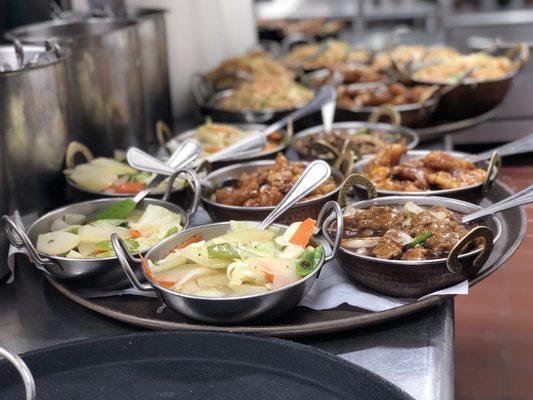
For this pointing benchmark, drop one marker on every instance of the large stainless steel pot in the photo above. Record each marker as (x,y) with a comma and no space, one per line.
(34,128)
(154,61)
(105,78)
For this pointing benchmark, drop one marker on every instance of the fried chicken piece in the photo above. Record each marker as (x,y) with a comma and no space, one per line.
(375,218)
(442,161)
(417,253)
(387,157)
(442,180)
(410,174)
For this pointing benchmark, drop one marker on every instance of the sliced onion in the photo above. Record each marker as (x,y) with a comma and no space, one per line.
(360,243)
(412,207)
(440,215)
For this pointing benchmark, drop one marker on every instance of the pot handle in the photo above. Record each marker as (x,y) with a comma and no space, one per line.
(518,55)
(319,148)
(23,370)
(74,148)
(356,179)
(197,188)
(125,258)
(18,238)
(163,133)
(332,205)
(452,261)
(344,162)
(493,170)
(386,111)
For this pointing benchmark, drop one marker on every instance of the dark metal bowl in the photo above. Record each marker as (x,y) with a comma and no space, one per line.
(206,99)
(412,115)
(410,135)
(93,272)
(227,310)
(221,212)
(472,193)
(418,278)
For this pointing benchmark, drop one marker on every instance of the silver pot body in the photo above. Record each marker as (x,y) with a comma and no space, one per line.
(227,310)
(105,78)
(34,131)
(154,63)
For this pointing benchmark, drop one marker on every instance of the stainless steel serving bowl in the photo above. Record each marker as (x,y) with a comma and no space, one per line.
(418,278)
(472,193)
(410,135)
(221,212)
(206,99)
(81,193)
(94,272)
(169,142)
(227,310)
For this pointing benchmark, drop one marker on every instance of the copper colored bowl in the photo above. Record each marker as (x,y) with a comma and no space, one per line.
(299,212)
(417,278)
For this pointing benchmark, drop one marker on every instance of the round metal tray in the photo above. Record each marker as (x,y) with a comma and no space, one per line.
(193,365)
(437,128)
(301,321)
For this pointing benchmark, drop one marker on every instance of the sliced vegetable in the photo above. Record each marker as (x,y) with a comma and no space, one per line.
(304,233)
(222,250)
(420,239)
(130,187)
(119,210)
(309,261)
(58,242)
(191,240)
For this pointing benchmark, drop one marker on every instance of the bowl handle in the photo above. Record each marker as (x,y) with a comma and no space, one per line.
(332,205)
(163,133)
(18,238)
(493,170)
(23,370)
(320,147)
(125,258)
(196,187)
(452,261)
(355,179)
(385,111)
(75,148)
(344,163)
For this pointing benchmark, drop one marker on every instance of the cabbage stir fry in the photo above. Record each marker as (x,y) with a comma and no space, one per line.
(77,236)
(243,262)
(108,175)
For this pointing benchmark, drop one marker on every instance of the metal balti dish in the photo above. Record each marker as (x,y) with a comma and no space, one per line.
(75,148)
(206,99)
(411,115)
(418,278)
(165,137)
(95,272)
(473,98)
(473,193)
(319,77)
(227,310)
(410,136)
(298,212)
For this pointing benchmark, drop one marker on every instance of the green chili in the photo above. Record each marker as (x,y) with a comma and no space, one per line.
(309,261)
(420,239)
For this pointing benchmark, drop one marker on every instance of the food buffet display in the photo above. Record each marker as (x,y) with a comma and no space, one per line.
(407,243)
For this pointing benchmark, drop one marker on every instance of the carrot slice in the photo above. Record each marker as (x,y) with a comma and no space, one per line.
(135,233)
(303,234)
(276,136)
(151,276)
(191,240)
(130,187)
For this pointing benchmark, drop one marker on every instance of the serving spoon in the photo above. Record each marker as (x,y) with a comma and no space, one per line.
(523,145)
(187,152)
(523,197)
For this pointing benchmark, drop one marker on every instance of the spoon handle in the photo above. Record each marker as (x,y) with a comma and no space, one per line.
(519,146)
(313,176)
(138,159)
(325,95)
(328,115)
(250,144)
(523,197)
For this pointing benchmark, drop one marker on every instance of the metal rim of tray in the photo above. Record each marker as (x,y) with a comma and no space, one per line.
(335,323)
(438,130)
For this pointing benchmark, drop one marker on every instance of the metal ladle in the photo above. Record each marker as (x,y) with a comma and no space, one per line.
(519,146)
(523,197)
